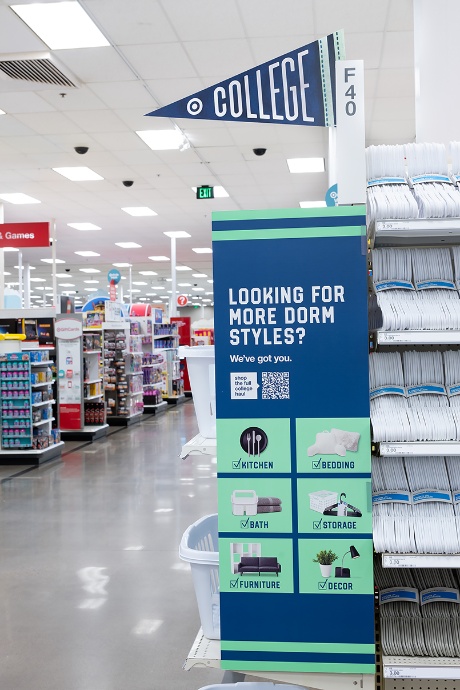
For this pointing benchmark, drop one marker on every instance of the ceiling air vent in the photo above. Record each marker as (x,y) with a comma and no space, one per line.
(36,68)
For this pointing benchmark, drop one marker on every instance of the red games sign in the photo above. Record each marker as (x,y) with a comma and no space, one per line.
(21,235)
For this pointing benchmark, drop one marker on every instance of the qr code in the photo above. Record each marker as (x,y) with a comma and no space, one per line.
(275,385)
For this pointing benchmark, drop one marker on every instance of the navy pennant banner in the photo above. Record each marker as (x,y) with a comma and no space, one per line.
(297,88)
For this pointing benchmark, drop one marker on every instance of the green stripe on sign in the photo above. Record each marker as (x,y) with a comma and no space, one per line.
(289,233)
(331,212)
(339,648)
(306,667)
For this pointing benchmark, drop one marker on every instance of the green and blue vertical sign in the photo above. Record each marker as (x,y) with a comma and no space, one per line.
(293,440)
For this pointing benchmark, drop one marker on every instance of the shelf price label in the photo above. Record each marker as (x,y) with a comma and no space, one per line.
(399,672)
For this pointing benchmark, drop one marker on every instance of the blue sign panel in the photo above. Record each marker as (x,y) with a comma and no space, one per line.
(293,440)
(297,88)
(115,275)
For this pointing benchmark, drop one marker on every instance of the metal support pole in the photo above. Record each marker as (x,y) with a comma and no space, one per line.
(26,286)
(21,277)
(53,255)
(173,301)
(2,266)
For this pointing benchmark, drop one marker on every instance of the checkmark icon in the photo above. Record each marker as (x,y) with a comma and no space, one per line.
(236,464)
(316,464)
(322,585)
(317,524)
(245,524)
(233,584)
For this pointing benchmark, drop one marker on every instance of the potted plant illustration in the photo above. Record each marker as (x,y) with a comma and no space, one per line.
(325,560)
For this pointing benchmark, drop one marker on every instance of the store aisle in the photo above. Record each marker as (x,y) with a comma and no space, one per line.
(93,594)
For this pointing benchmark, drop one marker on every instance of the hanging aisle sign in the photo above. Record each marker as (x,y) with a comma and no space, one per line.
(293,440)
(297,88)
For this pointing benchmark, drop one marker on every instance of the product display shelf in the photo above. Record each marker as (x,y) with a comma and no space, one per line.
(154,379)
(199,445)
(123,392)
(407,667)
(415,232)
(206,653)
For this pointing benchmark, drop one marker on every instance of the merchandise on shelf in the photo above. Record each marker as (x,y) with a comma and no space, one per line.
(123,373)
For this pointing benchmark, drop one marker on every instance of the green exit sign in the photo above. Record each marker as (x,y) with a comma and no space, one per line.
(205,192)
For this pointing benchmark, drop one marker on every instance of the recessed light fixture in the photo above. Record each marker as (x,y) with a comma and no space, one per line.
(139,211)
(305,165)
(163,139)
(32,268)
(199,275)
(91,289)
(202,250)
(87,252)
(139,282)
(67,284)
(198,289)
(133,290)
(142,299)
(169,280)
(50,261)
(184,284)
(95,282)
(210,281)
(2,112)
(69,292)
(312,204)
(164,296)
(177,234)
(10,249)
(183,268)
(60,275)
(84,226)
(207,300)
(61,25)
(76,173)
(208,293)
(151,294)
(128,245)
(89,270)
(148,273)
(122,265)
(41,287)
(36,280)
(19,198)
(159,258)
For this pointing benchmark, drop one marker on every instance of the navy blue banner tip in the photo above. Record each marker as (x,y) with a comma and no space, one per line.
(297,88)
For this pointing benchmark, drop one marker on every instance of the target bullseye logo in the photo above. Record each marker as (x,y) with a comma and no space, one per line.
(194,106)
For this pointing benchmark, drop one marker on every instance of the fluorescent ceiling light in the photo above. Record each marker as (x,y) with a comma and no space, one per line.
(61,25)
(87,253)
(128,245)
(2,112)
(139,282)
(91,281)
(34,280)
(78,173)
(184,284)
(10,249)
(133,290)
(139,211)
(199,275)
(164,296)
(41,287)
(210,281)
(169,280)
(163,139)
(305,165)
(198,289)
(69,292)
(89,270)
(91,289)
(151,294)
(67,284)
(207,300)
(50,261)
(84,226)
(32,268)
(19,198)
(177,234)
(143,299)
(312,204)
(122,265)
(60,275)
(148,273)
(208,293)
(7,273)
(202,250)
(219,192)
(159,258)
(183,268)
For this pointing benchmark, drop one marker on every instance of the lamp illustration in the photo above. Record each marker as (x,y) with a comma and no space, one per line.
(345,572)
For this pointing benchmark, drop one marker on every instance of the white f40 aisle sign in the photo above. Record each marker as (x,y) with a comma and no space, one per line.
(351,158)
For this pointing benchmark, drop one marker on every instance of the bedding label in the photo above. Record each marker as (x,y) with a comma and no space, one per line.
(293,439)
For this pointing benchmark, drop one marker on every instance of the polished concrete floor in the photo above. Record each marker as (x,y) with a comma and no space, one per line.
(93,594)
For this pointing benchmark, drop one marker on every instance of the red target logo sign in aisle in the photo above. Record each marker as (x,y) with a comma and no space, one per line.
(182,300)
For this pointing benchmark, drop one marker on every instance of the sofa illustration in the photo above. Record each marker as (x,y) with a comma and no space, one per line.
(261,564)
(246,502)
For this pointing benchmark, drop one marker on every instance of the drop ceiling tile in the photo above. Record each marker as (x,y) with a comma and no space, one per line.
(195,21)
(119,141)
(75,99)
(398,49)
(49,123)
(394,109)
(143,157)
(170,90)
(11,126)
(233,182)
(371,78)
(97,64)
(15,35)
(212,136)
(165,60)
(140,22)
(265,49)
(122,94)
(274,18)
(164,182)
(33,144)
(136,120)
(396,83)
(401,15)
(177,157)
(384,132)
(97,120)
(214,58)
(24,102)
(364,16)
(365,46)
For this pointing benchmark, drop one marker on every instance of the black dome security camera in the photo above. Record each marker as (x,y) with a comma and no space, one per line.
(81,149)
(67,270)
(260,152)
(128,183)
